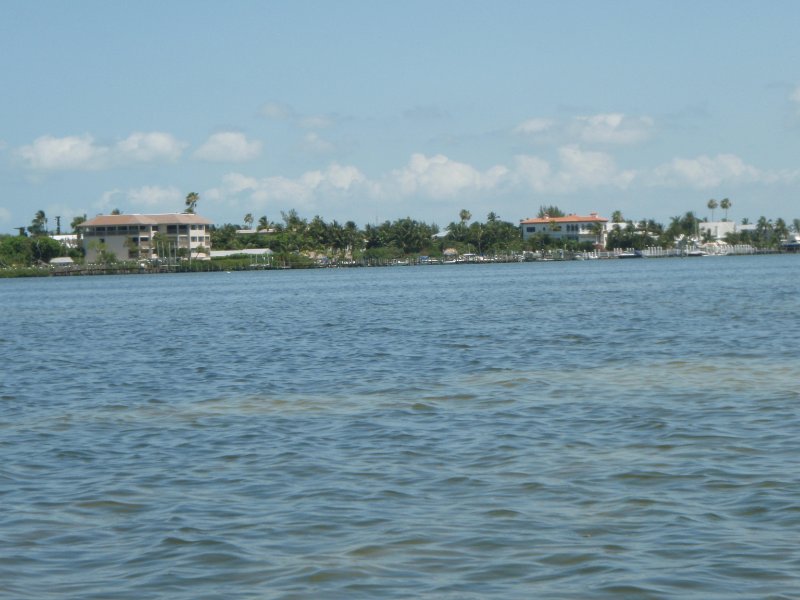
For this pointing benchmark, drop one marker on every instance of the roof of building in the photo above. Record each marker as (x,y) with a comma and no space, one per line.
(592,218)
(159,219)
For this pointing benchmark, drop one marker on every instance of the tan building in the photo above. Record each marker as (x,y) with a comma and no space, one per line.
(572,227)
(144,237)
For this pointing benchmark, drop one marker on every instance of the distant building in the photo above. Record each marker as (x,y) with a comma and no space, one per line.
(137,237)
(719,229)
(70,240)
(571,227)
(255,231)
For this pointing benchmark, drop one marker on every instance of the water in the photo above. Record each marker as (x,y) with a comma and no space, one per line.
(597,429)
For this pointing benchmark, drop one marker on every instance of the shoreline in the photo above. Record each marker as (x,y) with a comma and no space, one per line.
(249,265)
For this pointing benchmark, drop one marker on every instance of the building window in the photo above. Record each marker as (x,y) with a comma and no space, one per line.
(530,229)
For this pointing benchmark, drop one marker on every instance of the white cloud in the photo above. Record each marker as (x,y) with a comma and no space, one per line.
(66,153)
(303,190)
(237,183)
(280,111)
(705,172)
(440,177)
(109,200)
(344,177)
(611,128)
(169,199)
(534,126)
(582,169)
(149,147)
(276,110)
(82,153)
(228,146)
(533,172)
(312,142)
(577,169)
(166,199)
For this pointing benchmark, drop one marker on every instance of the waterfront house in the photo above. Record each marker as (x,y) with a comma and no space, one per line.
(146,237)
(717,230)
(590,229)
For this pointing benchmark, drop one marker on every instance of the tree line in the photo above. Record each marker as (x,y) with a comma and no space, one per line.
(380,241)
(294,235)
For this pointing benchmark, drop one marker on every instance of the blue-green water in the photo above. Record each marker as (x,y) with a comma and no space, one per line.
(597,429)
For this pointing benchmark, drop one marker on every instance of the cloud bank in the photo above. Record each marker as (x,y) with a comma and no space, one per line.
(83,153)
(228,146)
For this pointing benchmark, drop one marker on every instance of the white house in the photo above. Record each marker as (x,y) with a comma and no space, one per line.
(571,227)
(135,237)
(719,229)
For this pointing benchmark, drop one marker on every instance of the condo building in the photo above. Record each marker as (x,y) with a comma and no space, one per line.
(145,237)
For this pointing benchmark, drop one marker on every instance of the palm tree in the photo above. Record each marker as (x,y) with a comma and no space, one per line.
(191,201)
(248,220)
(38,225)
(597,228)
(712,206)
(725,205)
(781,229)
(77,221)
(464,215)
(616,216)
(263,222)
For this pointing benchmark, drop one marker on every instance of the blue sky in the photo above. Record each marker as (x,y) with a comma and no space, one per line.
(372,110)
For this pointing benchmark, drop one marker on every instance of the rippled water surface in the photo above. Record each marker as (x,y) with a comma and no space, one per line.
(597,429)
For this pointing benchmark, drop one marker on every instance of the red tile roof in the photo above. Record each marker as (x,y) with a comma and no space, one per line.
(163,219)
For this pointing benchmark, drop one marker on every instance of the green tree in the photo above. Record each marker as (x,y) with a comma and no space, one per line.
(77,221)
(616,217)
(725,205)
(104,255)
(263,222)
(409,235)
(546,212)
(248,221)
(191,201)
(38,225)
(764,231)
(597,228)
(16,251)
(464,215)
(712,206)
(781,229)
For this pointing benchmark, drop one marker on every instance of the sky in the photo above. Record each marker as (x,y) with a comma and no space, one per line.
(369,110)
